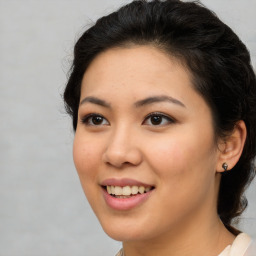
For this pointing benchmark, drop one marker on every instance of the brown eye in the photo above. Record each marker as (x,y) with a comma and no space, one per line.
(94,120)
(158,119)
(97,120)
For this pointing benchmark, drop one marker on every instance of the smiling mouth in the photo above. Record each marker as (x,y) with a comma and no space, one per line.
(126,191)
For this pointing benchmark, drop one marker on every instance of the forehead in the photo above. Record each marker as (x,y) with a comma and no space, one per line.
(140,67)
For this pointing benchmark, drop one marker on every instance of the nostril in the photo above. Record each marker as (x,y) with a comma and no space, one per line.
(119,154)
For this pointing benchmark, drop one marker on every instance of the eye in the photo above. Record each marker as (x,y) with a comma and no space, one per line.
(94,120)
(158,119)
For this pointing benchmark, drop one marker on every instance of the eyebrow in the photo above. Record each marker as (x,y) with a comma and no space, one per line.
(96,101)
(161,98)
(140,103)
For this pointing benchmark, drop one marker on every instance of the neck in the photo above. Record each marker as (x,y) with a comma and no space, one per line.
(203,239)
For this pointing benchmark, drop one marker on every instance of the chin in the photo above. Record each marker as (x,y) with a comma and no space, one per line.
(130,232)
(122,235)
(124,232)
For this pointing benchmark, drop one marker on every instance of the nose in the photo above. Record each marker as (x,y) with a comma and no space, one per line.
(122,150)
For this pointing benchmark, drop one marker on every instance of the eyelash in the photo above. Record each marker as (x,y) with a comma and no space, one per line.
(168,119)
(87,120)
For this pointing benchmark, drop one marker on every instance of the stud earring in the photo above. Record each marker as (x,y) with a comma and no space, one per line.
(225,166)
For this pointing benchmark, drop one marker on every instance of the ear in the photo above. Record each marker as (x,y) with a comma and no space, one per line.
(231,147)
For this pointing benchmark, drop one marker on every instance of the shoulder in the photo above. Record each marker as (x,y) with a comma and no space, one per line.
(240,247)
(251,251)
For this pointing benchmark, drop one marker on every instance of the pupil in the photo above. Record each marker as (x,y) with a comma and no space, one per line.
(156,120)
(97,120)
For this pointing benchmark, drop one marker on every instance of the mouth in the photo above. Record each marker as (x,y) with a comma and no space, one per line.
(126,194)
(126,191)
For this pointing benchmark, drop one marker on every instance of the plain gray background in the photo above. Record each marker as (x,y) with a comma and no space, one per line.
(43,211)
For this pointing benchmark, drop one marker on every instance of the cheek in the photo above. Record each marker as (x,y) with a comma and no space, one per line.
(185,181)
(183,157)
(86,156)
(168,157)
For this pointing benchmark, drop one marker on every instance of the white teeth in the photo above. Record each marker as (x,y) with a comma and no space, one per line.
(147,189)
(141,189)
(135,190)
(118,191)
(127,190)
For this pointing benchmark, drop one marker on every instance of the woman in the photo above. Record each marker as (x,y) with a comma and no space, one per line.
(163,101)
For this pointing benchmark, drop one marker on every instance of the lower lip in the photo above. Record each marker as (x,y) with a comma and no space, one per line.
(124,204)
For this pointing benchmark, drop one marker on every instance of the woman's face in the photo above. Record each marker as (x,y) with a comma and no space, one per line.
(144,147)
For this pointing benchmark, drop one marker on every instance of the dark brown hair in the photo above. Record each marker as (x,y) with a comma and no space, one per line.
(218,61)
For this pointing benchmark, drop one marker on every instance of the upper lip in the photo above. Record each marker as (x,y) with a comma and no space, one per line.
(123,182)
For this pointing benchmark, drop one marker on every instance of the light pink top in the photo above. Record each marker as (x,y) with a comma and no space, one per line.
(242,246)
